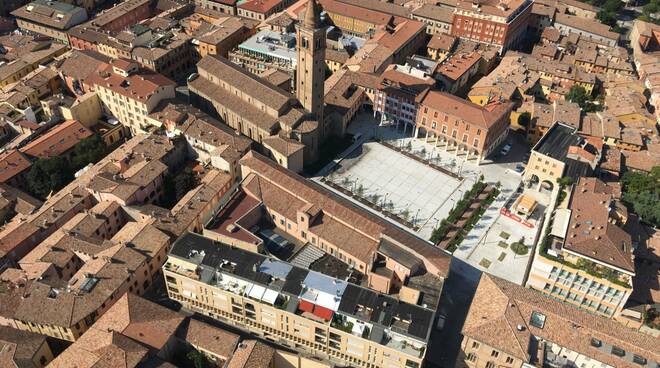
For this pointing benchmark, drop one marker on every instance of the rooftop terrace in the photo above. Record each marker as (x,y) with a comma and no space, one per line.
(345,306)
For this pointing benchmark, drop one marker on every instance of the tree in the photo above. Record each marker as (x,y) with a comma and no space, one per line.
(48,175)
(198,360)
(641,192)
(184,182)
(565,181)
(650,8)
(607,17)
(89,150)
(524,119)
(578,95)
(613,5)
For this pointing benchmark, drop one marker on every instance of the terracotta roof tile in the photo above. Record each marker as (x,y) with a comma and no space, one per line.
(57,140)
(499,307)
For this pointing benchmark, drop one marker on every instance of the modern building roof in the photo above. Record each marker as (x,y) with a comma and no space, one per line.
(556,141)
(279,46)
(521,322)
(258,277)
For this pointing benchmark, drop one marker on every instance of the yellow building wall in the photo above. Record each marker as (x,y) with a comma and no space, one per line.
(87,110)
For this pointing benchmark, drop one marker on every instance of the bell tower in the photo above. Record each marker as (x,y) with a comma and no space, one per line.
(310,70)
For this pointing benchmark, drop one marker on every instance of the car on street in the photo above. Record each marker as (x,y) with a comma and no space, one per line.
(505,150)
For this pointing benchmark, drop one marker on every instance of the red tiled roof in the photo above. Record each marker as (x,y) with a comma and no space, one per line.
(483,116)
(12,163)
(260,6)
(57,140)
(352,11)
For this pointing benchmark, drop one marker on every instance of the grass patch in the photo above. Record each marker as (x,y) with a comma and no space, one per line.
(484,263)
(501,257)
(504,235)
(502,244)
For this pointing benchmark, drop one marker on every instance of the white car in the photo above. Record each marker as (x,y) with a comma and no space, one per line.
(505,150)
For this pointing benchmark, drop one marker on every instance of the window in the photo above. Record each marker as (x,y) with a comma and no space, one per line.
(471,357)
(509,360)
(618,351)
(537,319)
(494,353)
(475,345)
(490,365)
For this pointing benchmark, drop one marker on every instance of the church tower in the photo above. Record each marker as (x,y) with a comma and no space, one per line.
(310,70)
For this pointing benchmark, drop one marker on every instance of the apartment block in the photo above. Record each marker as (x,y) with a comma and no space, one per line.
(130,94)
(587,257)
(24,349)
(511,326)
(222,38)
(123,15)
(261,9)
(438,19)
(298,308)
(399,88)
(561,152)
(353,19)
(49,18)
(222,6)
(502,24)
(590,29)
(462,126)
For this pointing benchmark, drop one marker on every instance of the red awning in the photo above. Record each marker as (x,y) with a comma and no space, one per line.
(305,306)
(324,313)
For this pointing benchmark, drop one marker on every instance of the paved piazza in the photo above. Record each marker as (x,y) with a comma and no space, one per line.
(424,192)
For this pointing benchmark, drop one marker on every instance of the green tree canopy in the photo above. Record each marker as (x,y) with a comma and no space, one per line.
(89,150)
(524,119)
(641,192)
(48,175)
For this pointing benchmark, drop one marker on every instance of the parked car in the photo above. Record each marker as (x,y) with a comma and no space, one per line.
(519,168)
(505,150)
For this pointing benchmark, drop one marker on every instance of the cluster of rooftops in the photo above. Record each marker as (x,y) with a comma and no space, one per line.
(301,291)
